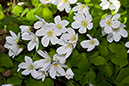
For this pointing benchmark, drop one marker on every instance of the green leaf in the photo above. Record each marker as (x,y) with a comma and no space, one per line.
(103,50)
(30,15)
(1,15)
(99,60)
(5,61)
(17,10)
(104,83)
(126,80)
(87,1)
(77,75)
(13,26)
(35,2)
(123,74)
(14,80)
(83,64)
(49,82)
(115,47)
(24,12)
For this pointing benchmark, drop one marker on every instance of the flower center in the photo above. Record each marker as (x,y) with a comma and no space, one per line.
(92,42)
(34,38)
(73,38)
(84,23)
(46,0)
(43,73)
(49,33)
(48,60)
(31,67)
(82,6)
(17,40)
(109,22)
(69,45)
(18,46)
(59,26)
(56,65)
(116,29)
(65,1)
(117,2)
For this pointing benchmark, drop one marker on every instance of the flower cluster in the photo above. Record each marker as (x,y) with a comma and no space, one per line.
(113,27)
(58,33)
(111,4)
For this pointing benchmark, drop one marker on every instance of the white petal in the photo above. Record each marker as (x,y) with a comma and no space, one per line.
(11,52)
(31,45)
(61,71)
(91,47)
(54,40)
(96,42)
(71,31)
(108,17)
(67,8)
(38,24)
(116,24)
(60,6)
(40,32)
(34,73)
(26,37)
(64,22)
(115,17)
(23,65)
(123,32)
(112,7)
(28,60)
(90,26)
(83,30)
(57,19)
(76,8)
(62,50)
(26,72)
(85,43)
(116,37)
(107,29)
(127,44)
(110,38)
(72,1)
(76,24)
(52,72)
(102,22)
(45,41)
(13,34)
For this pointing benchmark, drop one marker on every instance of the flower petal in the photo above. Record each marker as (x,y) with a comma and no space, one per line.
(127,44)
(64,22)
(57,19)
(31,45)
(123,32)
(61,71)
(116,24)
(34,73)
(102,22)
(107,29)
(91,47)
(90,26)
(45,41)
(52,72)
(23,65)
(26,72)
(76,24)
(85,43)
(38,24)
(116,37)
(28,60)
(83,30)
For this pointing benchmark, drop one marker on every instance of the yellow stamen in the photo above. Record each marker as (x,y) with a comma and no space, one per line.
(31,67)
(69,45)
(17,40)
(92,42)
(49,33)
(82,6)
(59,26)
(65,1)
(117,2)
(43,73)
(34,39)
(116,29)
(56,65)
(73,38)
(48,60)
(109,22)
(84,23)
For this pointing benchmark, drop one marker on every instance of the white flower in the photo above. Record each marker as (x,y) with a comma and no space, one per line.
(90,44)
(34,40)
(117,33)
(91,85)
(105,4)
(70,36)
(20,3)
(7,85)
(44,63)
(81,8)
(60,58)
(56,70)
(127,45)
(29,66)
(115,6)
(60,25)
(49,34)
(42,75)
(45,1)
(66,47)
(109,23)
(83,22)
(69,74)
(11,44)
(64,4)
(25,28)
(39,24)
